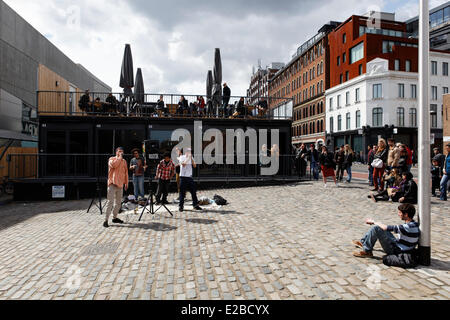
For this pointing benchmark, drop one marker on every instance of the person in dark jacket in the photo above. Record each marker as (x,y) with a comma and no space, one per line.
(183,106)
(226,97)
(382,154)
(313,157)
(445,176)
(85,103)
(301,158)
(370,157)
(440,159)
(339,158)
(326,160)
(408,190)
(435,177)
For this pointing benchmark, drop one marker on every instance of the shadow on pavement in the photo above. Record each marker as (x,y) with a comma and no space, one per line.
(156,226)
(201,221)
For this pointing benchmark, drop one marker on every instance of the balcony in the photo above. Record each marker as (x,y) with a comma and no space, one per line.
(104,104)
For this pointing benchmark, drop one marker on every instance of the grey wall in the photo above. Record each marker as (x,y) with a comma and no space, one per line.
(22,48)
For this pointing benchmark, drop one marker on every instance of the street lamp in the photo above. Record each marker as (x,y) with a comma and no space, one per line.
(424,136)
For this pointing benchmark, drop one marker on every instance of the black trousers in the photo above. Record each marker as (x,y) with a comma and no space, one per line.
(188,184)
(340,172)
(163,190)
(435,184)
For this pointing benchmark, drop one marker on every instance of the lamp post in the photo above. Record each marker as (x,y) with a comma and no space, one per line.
(424,136)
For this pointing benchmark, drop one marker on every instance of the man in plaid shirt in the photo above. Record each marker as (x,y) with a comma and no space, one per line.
(164,173)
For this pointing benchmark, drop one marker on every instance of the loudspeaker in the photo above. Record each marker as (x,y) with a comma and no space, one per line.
(152,150)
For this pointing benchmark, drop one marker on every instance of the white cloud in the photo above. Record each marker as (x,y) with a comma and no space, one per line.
(175,48)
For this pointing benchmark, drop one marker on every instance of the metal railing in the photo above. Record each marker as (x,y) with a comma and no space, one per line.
(117,104)
(88,166)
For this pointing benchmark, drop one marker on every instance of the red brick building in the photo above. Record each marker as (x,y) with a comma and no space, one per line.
(361,39)
(304,80)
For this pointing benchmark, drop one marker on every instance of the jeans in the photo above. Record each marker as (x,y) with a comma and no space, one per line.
(443,188)
(340,172)
(387,240)
(371,176)
(138,184)
(315,170)
(188,184)
(349,173)
(378,178)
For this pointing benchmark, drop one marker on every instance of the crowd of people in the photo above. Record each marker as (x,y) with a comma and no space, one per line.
(389,165)
(184,108)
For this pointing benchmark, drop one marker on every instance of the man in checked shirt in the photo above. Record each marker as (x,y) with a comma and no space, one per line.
(164,173)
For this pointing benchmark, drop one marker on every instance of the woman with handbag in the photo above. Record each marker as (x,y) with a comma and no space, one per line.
(379,164)
(328,166)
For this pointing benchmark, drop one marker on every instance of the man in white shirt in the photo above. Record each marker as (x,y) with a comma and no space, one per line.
(187,183)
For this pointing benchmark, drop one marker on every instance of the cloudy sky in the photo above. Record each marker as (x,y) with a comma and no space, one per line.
(173,41)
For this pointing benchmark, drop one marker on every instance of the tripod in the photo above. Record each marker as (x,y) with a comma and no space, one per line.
(151,203)
(98,196)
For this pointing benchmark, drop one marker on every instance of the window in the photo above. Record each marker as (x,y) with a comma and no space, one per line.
(413,91)
(360,69)
(433,93)
(344,57)
(339,101)
(347,76)
(331,124)
(347,121)
(397,65)
(331,104)
(433,68)
(377,117)
(341,78)
(444,90)
(433,112)
(347,98)
(413,117)
(358,119)
(357,95)
(344,38)
(400,117)
(357,53)
(339,60)
(401,90)
(377,91)
(408,66)
(445,68)
(339,122)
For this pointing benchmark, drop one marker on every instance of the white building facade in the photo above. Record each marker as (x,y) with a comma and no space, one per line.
(384,103)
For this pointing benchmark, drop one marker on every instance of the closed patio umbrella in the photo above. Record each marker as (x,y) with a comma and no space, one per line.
(127,75)
(209,87)
(139,92)
(217,81)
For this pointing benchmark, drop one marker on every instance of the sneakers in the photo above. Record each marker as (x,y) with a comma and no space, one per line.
(357,243)
(165,202)
(362,254)
(198,208)
(180,209)
(117,220)
(325,185)
(105,224)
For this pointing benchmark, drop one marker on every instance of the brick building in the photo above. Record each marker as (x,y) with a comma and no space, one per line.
(259,82)
(304,79)
(374,83)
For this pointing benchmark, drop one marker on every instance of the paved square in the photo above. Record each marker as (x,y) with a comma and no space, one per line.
(277,242)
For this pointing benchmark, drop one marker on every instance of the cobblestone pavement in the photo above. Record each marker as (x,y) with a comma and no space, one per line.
(278,242)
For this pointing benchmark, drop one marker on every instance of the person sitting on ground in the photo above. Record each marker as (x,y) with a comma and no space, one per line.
(436,176)
(407,192)
(408,235)
(393,180)
(328,165)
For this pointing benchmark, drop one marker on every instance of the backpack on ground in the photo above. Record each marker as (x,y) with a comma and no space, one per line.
(404,260)
(219,200)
